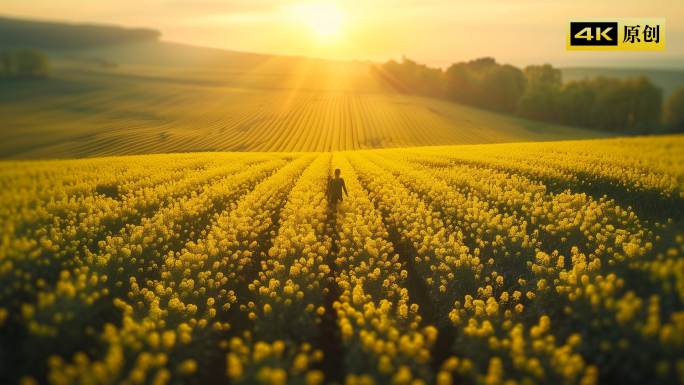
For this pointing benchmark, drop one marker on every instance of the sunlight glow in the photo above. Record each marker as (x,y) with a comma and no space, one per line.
(325,20)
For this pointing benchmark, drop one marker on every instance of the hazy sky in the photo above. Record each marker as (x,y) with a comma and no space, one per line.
(437,32)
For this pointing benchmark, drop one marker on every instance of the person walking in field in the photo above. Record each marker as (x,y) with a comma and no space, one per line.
(335,187)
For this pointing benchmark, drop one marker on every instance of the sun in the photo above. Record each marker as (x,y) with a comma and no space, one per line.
(325,20)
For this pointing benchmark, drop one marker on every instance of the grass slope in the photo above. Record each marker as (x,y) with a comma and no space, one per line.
(196,99)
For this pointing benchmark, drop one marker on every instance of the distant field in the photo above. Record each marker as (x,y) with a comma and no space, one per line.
(252,103)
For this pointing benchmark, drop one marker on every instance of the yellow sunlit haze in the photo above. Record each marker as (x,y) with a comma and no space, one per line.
(435,32)
(325,20)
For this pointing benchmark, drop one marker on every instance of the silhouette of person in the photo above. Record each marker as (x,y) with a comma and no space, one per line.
(335,187)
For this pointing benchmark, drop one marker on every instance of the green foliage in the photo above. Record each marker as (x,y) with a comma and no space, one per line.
(610,104)
(24,63)
(484,83)
(506,84)
(543,74)
(630,105)
(668,80)
(481,82)
(573,104)
(410,77)
(539,102)
(673,116)
(460,83)
(481,64)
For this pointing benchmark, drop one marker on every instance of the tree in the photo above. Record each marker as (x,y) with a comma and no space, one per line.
(460,84)
(543,74)
(484,83)
(646,105)
(411,77)
(610,109)
(539,102)
(632,105)
(573,103)
(504,85)
(481,64)
(6,64)
(24,63)
(629,105)
(673,116)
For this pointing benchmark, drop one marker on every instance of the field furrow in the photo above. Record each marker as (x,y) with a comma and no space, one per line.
(290,289)
(653,183)
(380,326)
(499,264)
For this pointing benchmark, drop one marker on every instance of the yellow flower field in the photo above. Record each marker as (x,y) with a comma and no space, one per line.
(558,262)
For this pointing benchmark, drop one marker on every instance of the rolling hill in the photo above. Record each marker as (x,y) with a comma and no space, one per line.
(62,36)
(127,93)
(85,111)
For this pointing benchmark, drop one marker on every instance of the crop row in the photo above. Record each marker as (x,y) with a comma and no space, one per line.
(438,269)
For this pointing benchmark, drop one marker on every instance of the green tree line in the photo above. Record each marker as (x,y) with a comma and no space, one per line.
(23,63)
(632,105)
